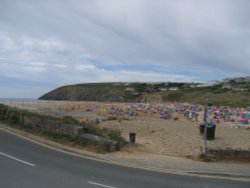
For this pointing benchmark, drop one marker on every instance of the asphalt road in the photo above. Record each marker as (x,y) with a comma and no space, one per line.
(24,164)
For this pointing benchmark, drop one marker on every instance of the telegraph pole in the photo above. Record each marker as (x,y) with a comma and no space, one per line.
(205,131)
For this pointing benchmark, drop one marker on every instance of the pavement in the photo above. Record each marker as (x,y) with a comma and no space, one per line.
(148,161)
(187,166)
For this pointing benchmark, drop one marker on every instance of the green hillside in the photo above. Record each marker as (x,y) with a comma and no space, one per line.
(232,92)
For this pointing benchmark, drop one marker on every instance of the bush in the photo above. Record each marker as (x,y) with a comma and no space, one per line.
(13,116)
(3,111)
(106,133)
(113,118)
(173,96)
(114,135)
(69,120)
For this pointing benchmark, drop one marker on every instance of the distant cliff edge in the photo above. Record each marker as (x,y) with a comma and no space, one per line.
(232,92)
(103,92)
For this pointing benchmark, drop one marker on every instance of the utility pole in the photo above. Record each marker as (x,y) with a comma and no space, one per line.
(205,131)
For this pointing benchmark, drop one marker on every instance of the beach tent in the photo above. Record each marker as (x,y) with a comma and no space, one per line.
(247,116)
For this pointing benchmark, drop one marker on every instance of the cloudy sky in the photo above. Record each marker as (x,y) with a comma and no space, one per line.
(50,43)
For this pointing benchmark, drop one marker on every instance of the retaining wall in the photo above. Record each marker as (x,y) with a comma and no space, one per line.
(52,125)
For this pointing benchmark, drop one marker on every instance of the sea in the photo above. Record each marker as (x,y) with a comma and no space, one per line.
(19,100)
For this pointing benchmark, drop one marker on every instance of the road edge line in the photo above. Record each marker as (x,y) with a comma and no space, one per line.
(68,151)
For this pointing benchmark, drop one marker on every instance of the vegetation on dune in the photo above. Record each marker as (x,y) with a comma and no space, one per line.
(215,94)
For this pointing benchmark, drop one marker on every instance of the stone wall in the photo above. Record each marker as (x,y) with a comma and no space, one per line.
(53,125)
(50,125)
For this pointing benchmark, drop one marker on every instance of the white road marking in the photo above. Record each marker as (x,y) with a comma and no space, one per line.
(90,182)
(16,159)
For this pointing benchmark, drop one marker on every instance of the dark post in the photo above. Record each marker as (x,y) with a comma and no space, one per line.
(132,137)
(205,131)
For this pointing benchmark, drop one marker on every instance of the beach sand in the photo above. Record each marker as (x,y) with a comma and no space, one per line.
(179,138)
(153,135)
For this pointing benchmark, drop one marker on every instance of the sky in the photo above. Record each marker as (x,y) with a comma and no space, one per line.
(50,43)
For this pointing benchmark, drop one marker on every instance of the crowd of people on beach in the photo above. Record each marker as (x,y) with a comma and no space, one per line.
(227,114)
(175,111)
(164,111)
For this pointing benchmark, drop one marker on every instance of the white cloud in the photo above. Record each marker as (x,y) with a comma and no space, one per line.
(114,40)
(50,44)
(132,76)
(27,42)
(94,74)
(60,66)
(37,64)
(83,67)
(47,44)
(25,55)
(35,69)
(6,43)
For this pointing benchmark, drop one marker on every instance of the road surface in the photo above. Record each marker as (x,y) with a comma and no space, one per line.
(24,164)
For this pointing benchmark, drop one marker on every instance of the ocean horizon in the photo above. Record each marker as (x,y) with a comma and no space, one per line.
(15,100)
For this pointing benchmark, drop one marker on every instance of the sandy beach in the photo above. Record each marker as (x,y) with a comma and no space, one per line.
(155,135)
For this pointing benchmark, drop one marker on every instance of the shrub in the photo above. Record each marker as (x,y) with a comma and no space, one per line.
(3,111)
(173,96)
(113,118)
(106,132)
(69,120)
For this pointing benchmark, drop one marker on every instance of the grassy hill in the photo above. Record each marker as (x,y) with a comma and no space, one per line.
(231,92)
